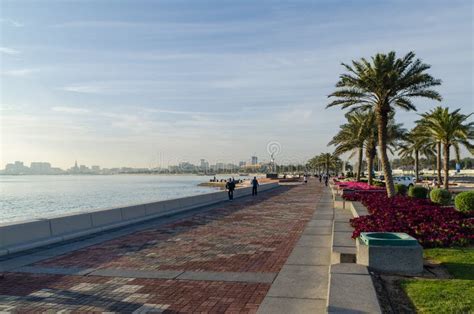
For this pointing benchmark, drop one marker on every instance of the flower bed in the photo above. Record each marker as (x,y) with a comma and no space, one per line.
(360,186)
(432,225)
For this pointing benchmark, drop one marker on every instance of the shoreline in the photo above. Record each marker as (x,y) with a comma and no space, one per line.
(27,234)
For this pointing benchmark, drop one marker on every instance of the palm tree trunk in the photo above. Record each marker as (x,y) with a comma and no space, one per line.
(382,121)
(370,165)
(438,161)
(371,153)
(359,166)
(417,164)
(446,166)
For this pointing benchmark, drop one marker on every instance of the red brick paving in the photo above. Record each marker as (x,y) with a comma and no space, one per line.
(53,293)
(251,236)
(255,235)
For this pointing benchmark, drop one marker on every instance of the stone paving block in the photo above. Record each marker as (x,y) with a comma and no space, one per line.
(351,269)
(53,270)
(228,276)
(342,238)
(343,298)
(319,223)
(295,281)
(323,216)
(272,305)
(309,256)
(344,217)
(315,241)
(324,208)
(17,262)
(134,273)
(342,226)
(317,231)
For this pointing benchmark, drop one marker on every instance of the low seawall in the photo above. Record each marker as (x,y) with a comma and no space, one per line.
(24,235)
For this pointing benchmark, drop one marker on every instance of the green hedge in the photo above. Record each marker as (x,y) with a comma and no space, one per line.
(417,192)
(440,196)
(464,201)
(401,189)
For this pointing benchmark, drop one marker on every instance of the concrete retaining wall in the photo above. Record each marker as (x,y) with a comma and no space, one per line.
(24,235)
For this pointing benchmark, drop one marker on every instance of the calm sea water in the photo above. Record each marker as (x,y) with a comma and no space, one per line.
(28,197)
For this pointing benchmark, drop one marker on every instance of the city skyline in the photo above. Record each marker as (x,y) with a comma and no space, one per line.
(139,82)
(44,167)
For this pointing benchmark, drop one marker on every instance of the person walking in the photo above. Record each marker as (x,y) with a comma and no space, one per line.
(305,179)
(320,177)
(255,185)
(326,180)
(230,186)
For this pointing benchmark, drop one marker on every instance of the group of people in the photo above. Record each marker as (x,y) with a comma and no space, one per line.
(322,177)
(230,187)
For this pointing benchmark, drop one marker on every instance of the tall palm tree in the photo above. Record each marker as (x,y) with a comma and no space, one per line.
(395,132)
(351,137)
(326,161)
(416,144)
(450,129)
(383,84)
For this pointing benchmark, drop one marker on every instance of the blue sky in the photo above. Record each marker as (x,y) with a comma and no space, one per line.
(146,83)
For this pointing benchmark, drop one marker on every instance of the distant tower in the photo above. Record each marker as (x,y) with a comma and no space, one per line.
(75,165)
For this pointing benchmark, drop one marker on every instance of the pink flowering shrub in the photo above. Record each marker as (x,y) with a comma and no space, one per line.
(432,225)
(357,186)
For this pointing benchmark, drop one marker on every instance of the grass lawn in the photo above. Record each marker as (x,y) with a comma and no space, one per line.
(447,295)
(458,261)
(441,296)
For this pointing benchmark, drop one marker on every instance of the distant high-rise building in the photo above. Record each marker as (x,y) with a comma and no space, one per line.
(95,168)
(83,169)
(254,160)
(204,165)
(40,168)
(17,168)
(242,163)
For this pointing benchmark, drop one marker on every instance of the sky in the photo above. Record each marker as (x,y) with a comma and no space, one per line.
(154,83)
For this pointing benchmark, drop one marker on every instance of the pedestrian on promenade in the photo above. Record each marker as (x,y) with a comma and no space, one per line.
(326,180)
(320,178)
(230,186)
(305,179)
(255,185)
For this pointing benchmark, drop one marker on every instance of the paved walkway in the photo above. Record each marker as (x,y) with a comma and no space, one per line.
(228,258)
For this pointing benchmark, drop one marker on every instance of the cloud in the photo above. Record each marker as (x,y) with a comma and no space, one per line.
(86,89)
(9,51)
(190,113)
(72,110)
(11,22)
(19,72)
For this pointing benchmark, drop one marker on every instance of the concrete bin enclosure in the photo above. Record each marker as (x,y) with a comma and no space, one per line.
(20,236)
(390,252)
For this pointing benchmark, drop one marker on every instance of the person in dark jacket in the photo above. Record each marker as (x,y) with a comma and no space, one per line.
(255,185)
(230,186)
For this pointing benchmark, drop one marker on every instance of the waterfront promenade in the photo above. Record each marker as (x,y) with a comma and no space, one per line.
(269,254)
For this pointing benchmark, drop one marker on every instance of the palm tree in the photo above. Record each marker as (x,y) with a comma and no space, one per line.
(325,161)
(416,143)
(383,84)
(450,129)
(351,138)
(395,133)
(330,162)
